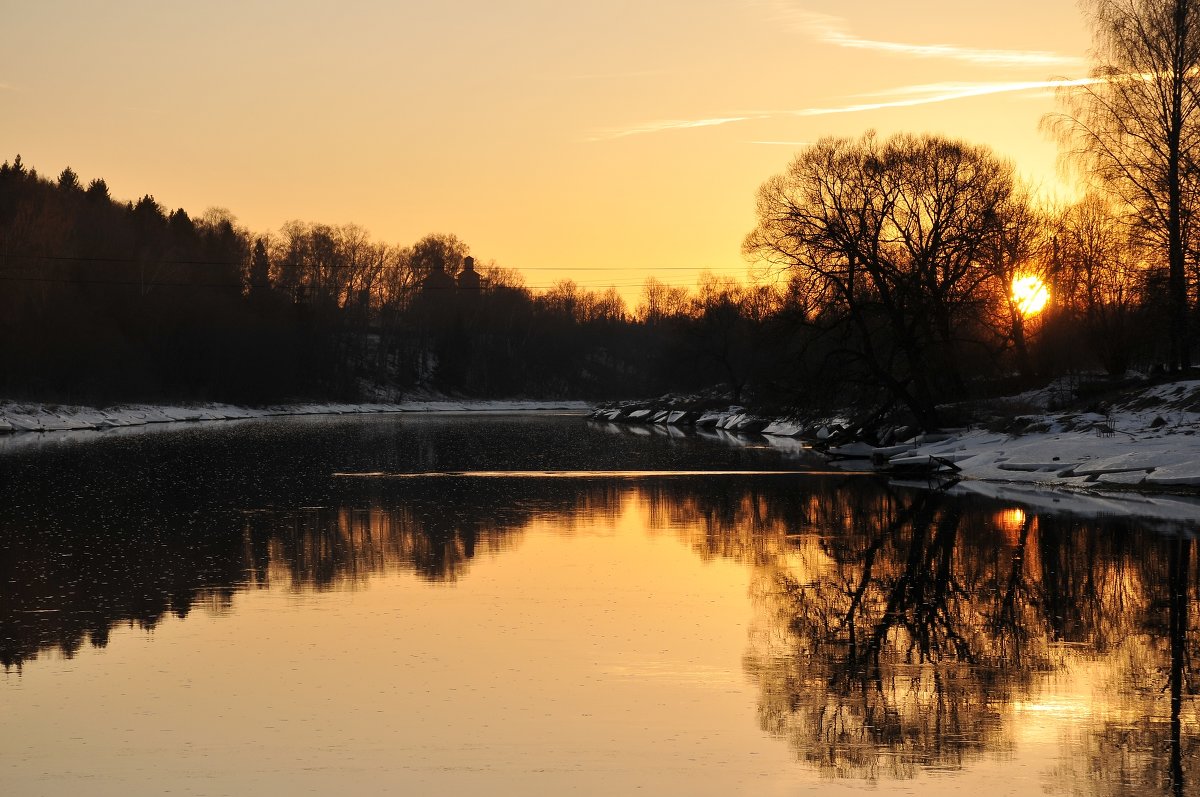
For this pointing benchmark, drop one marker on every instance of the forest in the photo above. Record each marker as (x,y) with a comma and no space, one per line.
(106,301)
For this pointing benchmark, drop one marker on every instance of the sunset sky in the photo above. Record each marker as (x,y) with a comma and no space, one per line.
(598,141)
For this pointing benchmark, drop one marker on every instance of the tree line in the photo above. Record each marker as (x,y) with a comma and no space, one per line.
(105,301)
(885,271)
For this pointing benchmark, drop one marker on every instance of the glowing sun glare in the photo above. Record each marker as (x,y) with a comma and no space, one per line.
(1030,294)
(1011,520)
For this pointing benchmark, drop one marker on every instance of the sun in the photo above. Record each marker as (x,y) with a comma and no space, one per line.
(1030,294)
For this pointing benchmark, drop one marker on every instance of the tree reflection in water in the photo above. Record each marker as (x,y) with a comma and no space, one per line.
(902,631)
(76,570)
(896,630)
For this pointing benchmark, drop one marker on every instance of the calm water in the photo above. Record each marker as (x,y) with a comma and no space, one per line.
(283,607)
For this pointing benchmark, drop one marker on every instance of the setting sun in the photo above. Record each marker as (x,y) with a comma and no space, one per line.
(1030,294)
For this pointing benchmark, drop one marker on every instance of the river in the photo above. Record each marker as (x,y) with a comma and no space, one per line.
(538,604)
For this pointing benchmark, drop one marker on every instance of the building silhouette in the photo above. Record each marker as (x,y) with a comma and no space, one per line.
(468,278)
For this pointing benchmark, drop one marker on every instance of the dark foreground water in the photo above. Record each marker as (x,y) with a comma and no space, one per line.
(521,605)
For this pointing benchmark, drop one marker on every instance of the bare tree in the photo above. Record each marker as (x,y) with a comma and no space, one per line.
(890,238)
(610,306)
(1019,248)
(661,301)
(567,299)
(726,328)
(1102,279)
(1135,127)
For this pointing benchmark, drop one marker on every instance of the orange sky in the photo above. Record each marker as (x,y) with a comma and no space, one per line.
(599,141)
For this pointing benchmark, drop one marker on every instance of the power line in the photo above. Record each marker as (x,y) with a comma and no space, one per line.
(241,285)
(593,285)
(243,263)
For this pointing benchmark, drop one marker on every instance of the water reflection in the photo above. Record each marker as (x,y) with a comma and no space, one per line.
(903,632)
(62,583)
(897,631)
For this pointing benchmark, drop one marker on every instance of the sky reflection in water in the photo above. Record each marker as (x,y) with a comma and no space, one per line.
(210,611)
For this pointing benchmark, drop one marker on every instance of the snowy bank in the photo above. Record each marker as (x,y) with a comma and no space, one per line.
(68,423)
(1146,439)
(1142,459)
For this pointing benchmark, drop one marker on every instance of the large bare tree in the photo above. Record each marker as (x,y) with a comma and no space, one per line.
(1136,126)
(891,238)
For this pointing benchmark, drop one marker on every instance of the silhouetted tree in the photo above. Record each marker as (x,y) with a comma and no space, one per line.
(1135,128)
(890,236)
(97,190)
(68,181)
(1102,281)
(1019,247)
(260,270)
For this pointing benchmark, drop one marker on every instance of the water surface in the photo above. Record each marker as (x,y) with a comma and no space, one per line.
(537,604)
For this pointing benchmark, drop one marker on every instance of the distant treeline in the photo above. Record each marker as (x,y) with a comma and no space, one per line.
(903,303)
(103,301)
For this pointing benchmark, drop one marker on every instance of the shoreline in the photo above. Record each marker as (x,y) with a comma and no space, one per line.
(1175,509)
(21,417)
(28,424)
(1145,442)
(1133,453)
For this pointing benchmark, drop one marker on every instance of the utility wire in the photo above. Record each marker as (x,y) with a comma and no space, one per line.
(244,263)
(239,285)
(585,284)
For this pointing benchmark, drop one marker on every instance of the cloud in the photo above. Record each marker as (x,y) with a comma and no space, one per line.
(673,124)
(898,97)
(929,93)
(833,30)
(904,97)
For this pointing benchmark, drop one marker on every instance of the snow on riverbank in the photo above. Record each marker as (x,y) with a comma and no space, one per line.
(1143,440)
(1143,458)
(1147,440)
(1172,511)
(69,423)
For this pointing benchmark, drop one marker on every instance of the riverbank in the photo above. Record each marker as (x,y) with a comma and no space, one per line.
(1144,437)
(23,417)
(25,424)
